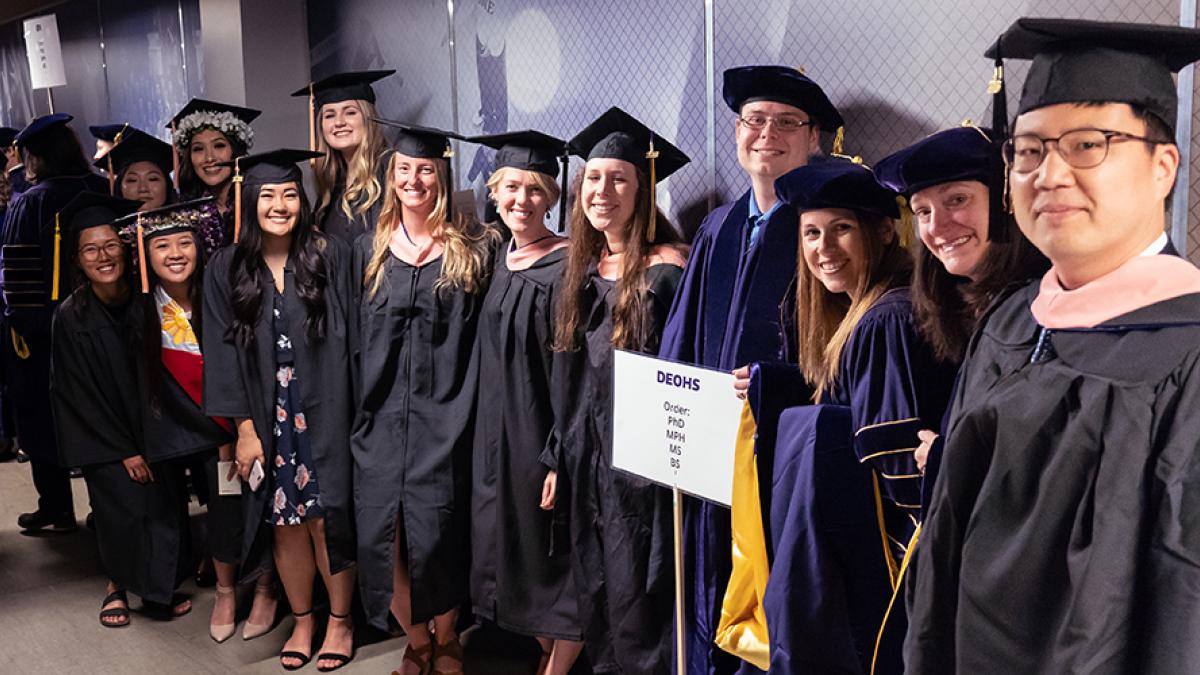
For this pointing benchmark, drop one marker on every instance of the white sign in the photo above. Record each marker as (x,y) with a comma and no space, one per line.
(675,424)
(44,52)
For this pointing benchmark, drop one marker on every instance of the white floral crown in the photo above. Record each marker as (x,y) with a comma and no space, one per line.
(224,122)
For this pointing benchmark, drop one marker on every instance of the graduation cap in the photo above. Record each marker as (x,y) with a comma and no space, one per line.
(781,84)
(421,142)
(142,226)
(136,145)
(836,184)
(265,168)
(199,105)
(85,210)
(31,136)
(532,151)
(1077,61)
(618,135)
(108,132)
(350,86)
(962,153)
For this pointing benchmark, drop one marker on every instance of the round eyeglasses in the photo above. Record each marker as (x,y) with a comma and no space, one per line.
(91,252)
(783,123)
(1079,148)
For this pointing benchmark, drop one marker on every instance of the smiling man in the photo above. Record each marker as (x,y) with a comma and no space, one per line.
(733,307)
(1063,535)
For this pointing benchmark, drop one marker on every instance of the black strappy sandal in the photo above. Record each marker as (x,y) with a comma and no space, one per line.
(121,613)
(290,654)
(342,659)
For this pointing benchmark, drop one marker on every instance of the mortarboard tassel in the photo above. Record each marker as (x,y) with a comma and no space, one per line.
(174,159)
(448,154)
(57,256)
(237,199)
(20,347)
(652,155)
(112,178)
(998,209)
(906,222)
(142,261)
(312,125)
(839,140)
(565,159)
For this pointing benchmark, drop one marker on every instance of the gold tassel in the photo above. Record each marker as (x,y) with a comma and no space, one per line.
(142,261)
(906,222)
(174,159)
(237,199)
(112,180)
(997,81)
(904,564)
(20,347)
(57,255)
(893,570)
(839,139)
(651,228)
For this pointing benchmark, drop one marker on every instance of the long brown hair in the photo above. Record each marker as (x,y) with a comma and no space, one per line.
(948,307)
(467,259)
(362,188)
(827,320)
(630,328)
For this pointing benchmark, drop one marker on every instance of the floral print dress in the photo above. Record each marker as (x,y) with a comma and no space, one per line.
(297,497)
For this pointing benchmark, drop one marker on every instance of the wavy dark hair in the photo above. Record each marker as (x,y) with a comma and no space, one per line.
(190,185)
(630,329)
(248,273)
(947,308)
(57,153)
(145,339)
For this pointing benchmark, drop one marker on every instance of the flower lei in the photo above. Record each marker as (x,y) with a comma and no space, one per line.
(224,122)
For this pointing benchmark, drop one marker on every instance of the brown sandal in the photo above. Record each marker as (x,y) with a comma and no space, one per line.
(422,658)
(452,650)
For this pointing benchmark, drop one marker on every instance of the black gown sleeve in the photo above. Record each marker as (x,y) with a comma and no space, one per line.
(224,393)
(90,388)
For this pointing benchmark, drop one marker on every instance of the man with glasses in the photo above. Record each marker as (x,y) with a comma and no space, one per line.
(1064,530)
(733,307)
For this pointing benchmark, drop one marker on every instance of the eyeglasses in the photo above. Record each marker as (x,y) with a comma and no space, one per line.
(1079,148)
(91,252)
(784,123)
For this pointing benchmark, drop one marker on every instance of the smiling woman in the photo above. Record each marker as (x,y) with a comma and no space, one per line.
(206,134)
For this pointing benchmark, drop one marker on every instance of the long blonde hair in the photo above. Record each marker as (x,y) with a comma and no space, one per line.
(466,262)
(362,188)
(630,328)
(827,320)
(547,184)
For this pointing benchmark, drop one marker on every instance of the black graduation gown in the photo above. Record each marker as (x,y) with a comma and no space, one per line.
(180,436)
(620,525)
(95,402)
(515,580)
(1062,535)
(413,437)
(30,222)
(332,220)
(733,309)
(240,383)
(174,425)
